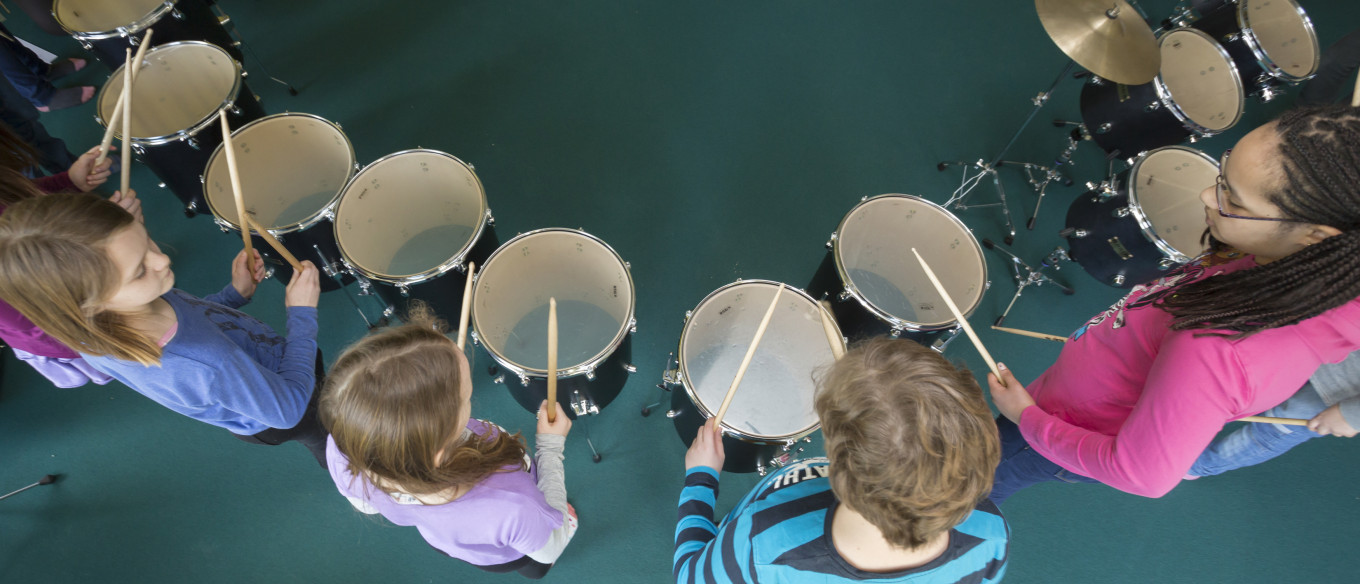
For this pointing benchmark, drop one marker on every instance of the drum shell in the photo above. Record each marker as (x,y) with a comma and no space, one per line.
(1137,119)
(741,454)
(1221,24)
(195,22)
(1096,253)
(607,382)
(442,293)
(315,244)
(856,321)
(180,163)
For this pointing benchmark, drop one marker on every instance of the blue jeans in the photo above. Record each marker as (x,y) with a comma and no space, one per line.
(1021,466)
(1254,443)
(25,71)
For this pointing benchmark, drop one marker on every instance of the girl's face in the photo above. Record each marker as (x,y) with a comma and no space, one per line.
(143,271)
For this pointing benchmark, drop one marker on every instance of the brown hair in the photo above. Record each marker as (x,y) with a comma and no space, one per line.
(391,402)
(55,271)
(912,443)
(16,156)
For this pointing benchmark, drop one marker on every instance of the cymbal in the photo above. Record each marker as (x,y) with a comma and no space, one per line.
(1107,37)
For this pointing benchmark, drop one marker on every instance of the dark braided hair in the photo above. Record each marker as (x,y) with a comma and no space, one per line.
(1320,157)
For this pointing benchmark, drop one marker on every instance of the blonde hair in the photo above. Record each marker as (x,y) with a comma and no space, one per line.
(55,270)
(912,443)
(391,403)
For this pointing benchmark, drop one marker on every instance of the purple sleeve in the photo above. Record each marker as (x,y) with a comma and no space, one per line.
(21,333)
(57,183)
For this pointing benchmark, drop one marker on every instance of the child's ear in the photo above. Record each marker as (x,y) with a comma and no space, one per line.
(1317,233)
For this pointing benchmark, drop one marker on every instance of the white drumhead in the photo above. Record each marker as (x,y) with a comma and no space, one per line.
(1284,34)
(594,295)
(873,252)
(179,86)
(410,213)
(775,396)
(101,15)
(1201,79)
(1165,185)
(291,166)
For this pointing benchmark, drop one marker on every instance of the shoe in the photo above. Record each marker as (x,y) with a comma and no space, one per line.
(63,68)
(68,97)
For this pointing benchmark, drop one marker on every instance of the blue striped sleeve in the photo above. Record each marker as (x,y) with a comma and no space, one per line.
(695,528)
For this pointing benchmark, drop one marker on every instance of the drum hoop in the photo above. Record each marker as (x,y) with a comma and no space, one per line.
(185,134)
(1164,93)
(327,211)
(127,30)
(898,324)
(1136,209)
(585,367)
(1254,43)
(684,370)
(456,261)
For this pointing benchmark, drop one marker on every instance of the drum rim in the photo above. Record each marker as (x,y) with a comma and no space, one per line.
(185,134)
(1164,93)
(900,325)
(1254,43)
(327,211)
(128,30)
(683,370)
(587,367)
(456,261)
(1136,210)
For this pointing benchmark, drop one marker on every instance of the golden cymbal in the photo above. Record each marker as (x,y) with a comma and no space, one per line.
(1107,37)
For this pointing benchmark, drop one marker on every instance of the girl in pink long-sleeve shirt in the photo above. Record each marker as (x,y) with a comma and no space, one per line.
(1140,390)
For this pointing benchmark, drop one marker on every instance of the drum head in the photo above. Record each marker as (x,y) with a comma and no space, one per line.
(410,215)
(179,86)
(1284,34)
(1201,79)
(80,16)
(775,397)
(873,254)
(594,293)
(292,168)
(1164,190)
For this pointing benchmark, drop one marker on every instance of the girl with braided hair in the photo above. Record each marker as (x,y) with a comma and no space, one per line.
(1140,390)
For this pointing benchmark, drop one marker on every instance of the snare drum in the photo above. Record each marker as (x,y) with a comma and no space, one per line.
(595,303)
(108,27)
(1150,220)
(292,167)
(873,281)
(179,90)
(772,409)
(1271,42)
(410,222)
(1197,94)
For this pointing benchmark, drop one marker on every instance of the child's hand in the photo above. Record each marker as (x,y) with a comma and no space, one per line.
(305,289)
(707,448)
(85,175)
(559,427)
(1330,421)
(241,278)
(129,203)
(1012,399)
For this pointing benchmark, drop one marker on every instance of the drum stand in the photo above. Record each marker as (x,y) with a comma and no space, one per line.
(975,172)
(1026,275)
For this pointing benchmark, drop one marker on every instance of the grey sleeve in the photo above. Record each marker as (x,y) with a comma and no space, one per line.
(552,482)
(1339,383)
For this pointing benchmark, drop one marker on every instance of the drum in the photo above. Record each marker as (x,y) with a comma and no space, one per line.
(595,305)
(108,27)
(410,222)
(1149,221)
(292,168)
(1197,94)
(876,286)
(179,91)
(772,409)
(1271,41)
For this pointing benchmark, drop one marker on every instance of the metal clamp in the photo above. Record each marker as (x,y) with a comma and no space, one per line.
(582,405)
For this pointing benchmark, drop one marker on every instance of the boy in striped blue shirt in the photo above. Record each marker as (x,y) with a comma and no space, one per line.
(901,497)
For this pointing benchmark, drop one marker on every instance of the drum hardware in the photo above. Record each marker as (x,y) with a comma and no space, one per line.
(229,25)
(1025,275)
(670,376)
(336,271)
(583,405)
(942,342)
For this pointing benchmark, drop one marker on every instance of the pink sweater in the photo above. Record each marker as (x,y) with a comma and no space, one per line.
(1132,404)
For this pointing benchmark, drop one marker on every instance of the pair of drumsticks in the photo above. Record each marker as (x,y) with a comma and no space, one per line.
(122,114)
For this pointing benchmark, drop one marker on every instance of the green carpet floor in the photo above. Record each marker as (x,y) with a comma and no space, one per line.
(705,141)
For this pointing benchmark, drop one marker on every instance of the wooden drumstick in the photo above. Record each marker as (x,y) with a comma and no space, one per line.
(829,326)
(274,243)
(972,336)
(552,361)
(467,306)
(1355,97)
(1023,333)
(136,65)
(126,169)
(1271,420)
(242,220)
(746,360)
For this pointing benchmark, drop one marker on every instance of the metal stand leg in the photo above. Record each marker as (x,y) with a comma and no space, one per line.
(668,378)
(585,427)
(223,18)
(1026,275)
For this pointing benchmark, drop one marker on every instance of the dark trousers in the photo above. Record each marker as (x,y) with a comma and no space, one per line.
(308,431)
(526,566)
(21,117)
(24,70)
(1021,466)
(1332,83)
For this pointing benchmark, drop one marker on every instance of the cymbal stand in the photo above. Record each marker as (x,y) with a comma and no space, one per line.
(975,172)
(1025,275)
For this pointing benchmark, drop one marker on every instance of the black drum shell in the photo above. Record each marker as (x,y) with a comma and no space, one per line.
(315,244)
(1097,215)
(856,321)
(197,23)
(443,293)
(740,455)
(1138,120)
(1221,24)
(610,377)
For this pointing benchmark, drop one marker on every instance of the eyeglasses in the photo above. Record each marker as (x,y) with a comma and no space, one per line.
(1221,185)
